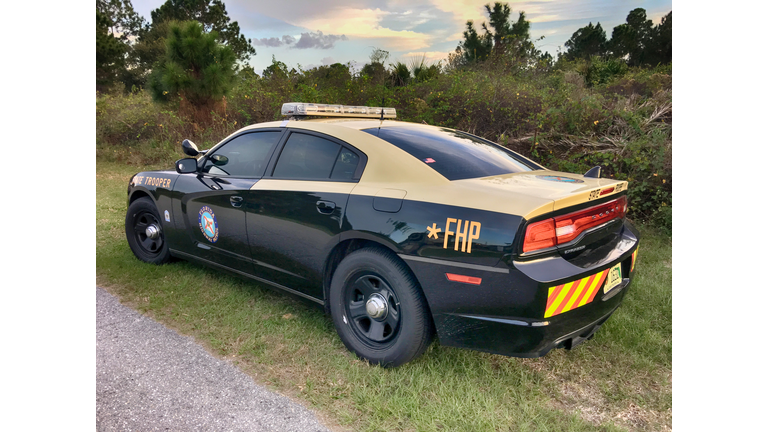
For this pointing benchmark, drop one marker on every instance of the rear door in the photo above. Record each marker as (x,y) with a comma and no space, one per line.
(213,200)
(296,212)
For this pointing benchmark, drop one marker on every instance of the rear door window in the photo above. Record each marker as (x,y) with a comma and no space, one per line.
(310,157)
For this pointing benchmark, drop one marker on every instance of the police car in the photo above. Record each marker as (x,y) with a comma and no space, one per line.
(400,231)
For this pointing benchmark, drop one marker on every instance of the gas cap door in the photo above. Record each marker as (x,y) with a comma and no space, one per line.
(388,200)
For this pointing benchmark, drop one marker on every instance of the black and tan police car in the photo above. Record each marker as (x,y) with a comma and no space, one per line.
(398,230)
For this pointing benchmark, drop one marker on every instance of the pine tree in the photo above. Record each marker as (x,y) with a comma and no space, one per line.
(197,67)
(586,42)
(109,52)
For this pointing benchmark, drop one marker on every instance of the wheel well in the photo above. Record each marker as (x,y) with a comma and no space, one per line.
(334,258)
(347,247)
(138,194)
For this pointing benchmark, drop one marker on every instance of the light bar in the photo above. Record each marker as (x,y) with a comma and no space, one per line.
(326,110)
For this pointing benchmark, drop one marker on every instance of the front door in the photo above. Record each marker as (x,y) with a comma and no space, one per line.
(213,200)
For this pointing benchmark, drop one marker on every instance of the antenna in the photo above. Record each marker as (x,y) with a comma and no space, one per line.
(382,109)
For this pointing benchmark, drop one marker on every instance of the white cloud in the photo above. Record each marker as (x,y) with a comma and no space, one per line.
(365,24)
(355,23)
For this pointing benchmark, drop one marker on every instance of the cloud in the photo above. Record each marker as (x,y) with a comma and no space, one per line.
(269,42)
(327,61)
(339,18)
(307,40)
(318,40)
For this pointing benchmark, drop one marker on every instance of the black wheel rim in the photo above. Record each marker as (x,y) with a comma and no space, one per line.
(378,332)
(142,221)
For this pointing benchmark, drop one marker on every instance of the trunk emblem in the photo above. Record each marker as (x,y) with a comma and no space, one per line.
(559,179)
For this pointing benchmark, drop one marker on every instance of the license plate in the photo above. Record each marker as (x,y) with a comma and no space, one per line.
(614,278)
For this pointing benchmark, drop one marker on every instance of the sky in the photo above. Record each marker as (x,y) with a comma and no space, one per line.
(315,33)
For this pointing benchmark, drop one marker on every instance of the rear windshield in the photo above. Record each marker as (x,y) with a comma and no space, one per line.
(455,155)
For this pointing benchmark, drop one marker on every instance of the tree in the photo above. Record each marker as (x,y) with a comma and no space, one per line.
(196,67)
(633,39)
(109,52)
(501,38)
(212,14)
(662,41)
(475,47)
(125,22)
(375,70)
(586,42)
(117,27)
(499,20)
(277,70)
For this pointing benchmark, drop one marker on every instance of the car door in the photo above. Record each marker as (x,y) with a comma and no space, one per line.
(295,213)
(213,199)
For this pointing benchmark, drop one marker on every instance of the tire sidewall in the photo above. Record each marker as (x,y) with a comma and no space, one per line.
(136,207)
(407,343)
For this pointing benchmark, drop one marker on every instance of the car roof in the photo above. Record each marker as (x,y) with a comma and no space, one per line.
(391,171)
(386,162)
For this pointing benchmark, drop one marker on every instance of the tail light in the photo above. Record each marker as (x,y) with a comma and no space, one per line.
(563,229)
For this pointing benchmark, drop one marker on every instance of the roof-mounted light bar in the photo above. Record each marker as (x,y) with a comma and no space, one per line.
(312,109)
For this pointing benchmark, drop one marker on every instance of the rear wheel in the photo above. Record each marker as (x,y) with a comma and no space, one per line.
(378,308)
(144,232)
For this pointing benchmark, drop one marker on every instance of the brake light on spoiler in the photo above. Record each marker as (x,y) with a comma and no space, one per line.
(563,229)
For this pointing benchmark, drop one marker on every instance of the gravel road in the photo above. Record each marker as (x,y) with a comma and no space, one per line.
(150,378)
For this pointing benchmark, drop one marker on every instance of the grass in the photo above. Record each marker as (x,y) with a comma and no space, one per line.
(620,380)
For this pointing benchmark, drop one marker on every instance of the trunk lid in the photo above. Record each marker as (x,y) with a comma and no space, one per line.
(557,194)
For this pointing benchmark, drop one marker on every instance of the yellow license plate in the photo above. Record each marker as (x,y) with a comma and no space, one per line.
(614,278)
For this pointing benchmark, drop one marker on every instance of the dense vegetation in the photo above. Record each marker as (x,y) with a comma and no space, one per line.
(603,102)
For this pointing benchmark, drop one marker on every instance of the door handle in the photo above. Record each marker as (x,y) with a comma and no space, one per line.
(236,201)
(326,207)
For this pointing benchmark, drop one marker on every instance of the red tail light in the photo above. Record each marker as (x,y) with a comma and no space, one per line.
(565,228)
(540,235)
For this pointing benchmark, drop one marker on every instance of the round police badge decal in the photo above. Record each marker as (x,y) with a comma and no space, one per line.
(207,221)
(559,179)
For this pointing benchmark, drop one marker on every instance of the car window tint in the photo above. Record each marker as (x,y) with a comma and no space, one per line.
(454,154)
(246,155)
(345,166)
(306,157)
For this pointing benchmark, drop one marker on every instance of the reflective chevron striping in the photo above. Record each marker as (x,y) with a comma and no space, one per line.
(634,257)
(569,296)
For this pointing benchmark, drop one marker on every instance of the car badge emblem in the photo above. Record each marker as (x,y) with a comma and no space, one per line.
(167,216)
(207,221)
(559,179)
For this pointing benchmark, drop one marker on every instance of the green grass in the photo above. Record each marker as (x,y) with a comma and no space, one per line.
(620,380)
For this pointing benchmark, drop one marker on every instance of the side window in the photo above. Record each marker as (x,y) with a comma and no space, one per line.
(307,157)
(246,155)
(345,166)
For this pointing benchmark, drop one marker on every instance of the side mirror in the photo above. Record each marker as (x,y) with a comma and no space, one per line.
(186,166)
(190,149)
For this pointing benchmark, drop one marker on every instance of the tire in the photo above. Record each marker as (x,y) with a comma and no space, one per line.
(400,328)
(142,214)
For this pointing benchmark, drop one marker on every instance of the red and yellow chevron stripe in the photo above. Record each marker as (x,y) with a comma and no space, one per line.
(634,257)
(571,295)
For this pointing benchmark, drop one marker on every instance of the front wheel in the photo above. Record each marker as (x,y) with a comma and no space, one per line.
(145,233)
(378,308)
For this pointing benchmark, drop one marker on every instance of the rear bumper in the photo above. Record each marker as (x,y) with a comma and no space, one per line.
(505,314)
(518,338)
